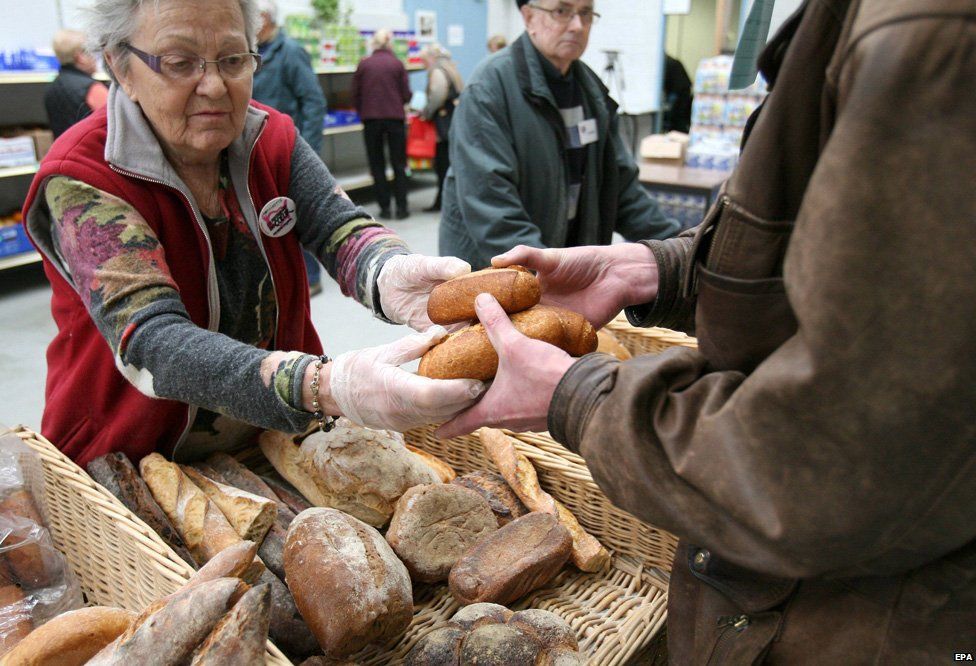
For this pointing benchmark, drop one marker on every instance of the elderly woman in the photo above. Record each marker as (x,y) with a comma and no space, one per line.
(171,224)
(444,85)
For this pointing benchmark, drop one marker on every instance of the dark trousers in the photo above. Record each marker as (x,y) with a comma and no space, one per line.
(442,160)
(394,133)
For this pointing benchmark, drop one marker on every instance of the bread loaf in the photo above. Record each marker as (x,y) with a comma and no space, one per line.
(588,554)
(348,583)
(515,288)
(503,501)
(507,564)
(15,617)
(441,647)
(357,470)
(118,475)
(236,561)
(468,353)
(475,615)
(608,343)
(288,630)
(239,638)
(235,474)
(492,634)
(288,495)
(251,516)
(198,520)
(444,471)
(167,635)
(26,560)
(70,639)
(433,525)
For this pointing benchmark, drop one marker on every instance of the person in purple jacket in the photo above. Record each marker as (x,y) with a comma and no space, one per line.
(380,90)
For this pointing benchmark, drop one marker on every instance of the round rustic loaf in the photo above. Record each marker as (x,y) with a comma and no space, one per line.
(347,582)
(499,644)
(433,525)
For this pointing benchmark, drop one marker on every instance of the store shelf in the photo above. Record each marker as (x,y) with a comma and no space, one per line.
(15,260)
(11,172)
(350,69)
(21,78)
(342,129)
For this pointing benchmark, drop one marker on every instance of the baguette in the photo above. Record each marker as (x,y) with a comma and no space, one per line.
(119,476)
(515,288)
(198,520)
(240,636)
(288,495)
(236,561)
(235,474)
(588,554)
(251,516)
(165,634)
(469,354)
(71,639)
(608,343)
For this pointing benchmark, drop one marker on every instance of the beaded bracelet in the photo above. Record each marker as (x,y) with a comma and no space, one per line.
(326,423)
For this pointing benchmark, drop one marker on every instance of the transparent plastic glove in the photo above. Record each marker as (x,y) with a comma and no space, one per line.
(528,373)
(405,283)
(372,390)
(598,282)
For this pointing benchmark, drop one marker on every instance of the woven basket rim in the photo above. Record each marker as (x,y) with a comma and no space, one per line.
(167,562)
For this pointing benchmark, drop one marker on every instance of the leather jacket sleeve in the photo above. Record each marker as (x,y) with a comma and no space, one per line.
(850,449)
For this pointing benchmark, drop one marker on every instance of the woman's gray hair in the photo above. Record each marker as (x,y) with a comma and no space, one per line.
(110,23)
(434,51)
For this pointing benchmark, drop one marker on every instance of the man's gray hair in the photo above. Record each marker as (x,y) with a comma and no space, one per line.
(110,23)
(269,7)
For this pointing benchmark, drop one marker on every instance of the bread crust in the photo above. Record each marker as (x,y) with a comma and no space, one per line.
(469,354)
(72,638)
(514,287)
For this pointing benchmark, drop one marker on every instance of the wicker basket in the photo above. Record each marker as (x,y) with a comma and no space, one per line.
(648,340)
(118,559)
(615,614)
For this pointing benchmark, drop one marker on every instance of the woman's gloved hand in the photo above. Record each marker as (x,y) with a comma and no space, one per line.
(371,389)
(405,283)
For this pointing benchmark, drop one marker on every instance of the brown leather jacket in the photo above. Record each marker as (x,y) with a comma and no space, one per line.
(818,454)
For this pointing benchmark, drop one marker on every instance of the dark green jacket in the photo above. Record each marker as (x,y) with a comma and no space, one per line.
(508,182)
(286,82)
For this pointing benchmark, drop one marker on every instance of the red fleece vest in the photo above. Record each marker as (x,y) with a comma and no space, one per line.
(91,409)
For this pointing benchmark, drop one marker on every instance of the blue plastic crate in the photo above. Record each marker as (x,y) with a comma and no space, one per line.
(13,240)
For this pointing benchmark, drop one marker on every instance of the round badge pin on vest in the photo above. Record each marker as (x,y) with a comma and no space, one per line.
(278,217)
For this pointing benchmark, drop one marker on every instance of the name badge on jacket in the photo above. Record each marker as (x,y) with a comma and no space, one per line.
(587,131)
(278,217)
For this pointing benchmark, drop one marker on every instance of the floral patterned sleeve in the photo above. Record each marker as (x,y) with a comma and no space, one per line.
(118,267)
(350,244)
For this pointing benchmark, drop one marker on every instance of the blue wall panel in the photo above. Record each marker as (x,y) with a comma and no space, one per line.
(472,14)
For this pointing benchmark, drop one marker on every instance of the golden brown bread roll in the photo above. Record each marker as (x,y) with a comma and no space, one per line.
(71,639)
(468,354)
(515,288)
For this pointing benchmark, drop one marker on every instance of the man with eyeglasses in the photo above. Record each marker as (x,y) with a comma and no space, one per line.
(536,158)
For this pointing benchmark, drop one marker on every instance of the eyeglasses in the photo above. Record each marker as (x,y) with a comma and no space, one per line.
(565,15)
(187,68)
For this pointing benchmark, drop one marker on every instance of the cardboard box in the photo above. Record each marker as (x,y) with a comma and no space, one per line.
(667,148)
(17,151)
(43,138)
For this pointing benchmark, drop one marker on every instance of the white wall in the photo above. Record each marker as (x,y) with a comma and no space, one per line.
(504,18)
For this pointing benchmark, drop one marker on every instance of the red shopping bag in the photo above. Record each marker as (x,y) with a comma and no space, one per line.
(421,138)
